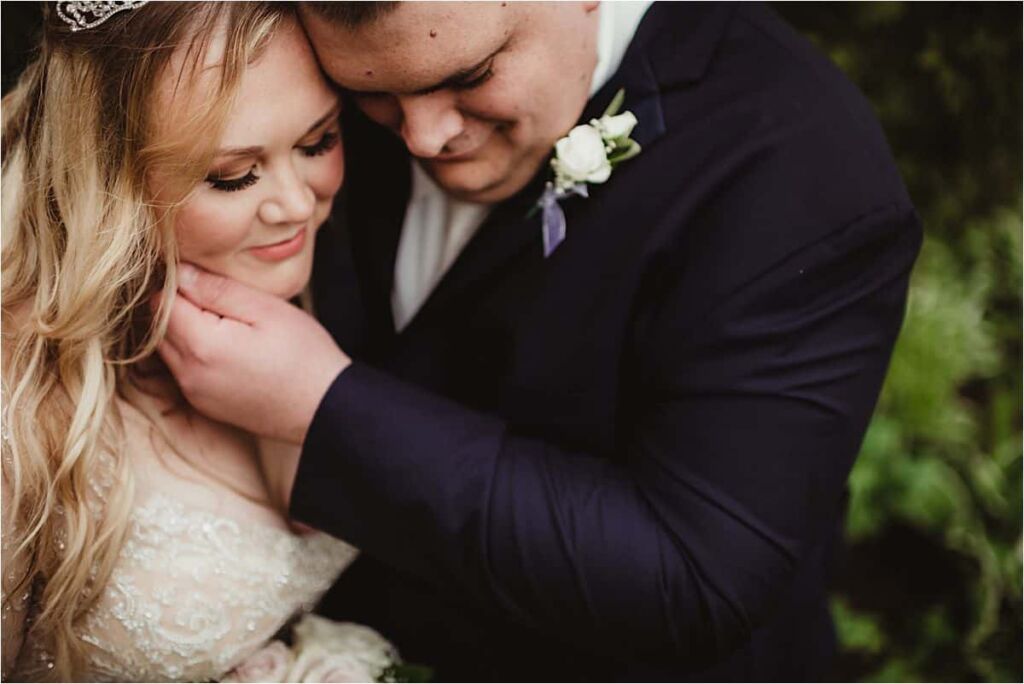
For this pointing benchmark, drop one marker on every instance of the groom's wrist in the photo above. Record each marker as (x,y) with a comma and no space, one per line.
(300,429)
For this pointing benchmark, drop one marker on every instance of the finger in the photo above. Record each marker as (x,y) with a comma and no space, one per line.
(220,295)
(188,325)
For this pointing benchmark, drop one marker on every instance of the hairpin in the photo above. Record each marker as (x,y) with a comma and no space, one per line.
(87,14)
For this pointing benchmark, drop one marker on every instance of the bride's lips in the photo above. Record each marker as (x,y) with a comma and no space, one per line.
(279,251)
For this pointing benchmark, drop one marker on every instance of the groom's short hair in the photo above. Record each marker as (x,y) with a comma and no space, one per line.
(351,14)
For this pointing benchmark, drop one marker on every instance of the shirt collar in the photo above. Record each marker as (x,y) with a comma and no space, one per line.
(617,22)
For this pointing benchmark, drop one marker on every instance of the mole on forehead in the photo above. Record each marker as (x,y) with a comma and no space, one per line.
(431,59)
(435,19)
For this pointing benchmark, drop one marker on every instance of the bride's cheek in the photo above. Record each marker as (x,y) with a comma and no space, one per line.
(210,231)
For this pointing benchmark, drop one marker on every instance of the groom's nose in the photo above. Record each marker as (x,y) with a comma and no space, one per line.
(428,122)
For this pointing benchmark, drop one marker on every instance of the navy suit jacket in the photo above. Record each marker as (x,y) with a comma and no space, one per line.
(626,461)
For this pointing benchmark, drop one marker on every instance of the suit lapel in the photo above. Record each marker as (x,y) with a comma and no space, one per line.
(504,234)
(377,192)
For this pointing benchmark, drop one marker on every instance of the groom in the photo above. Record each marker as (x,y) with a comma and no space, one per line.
(623,460)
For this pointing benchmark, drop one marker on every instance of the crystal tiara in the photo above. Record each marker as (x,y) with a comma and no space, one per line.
(87,14)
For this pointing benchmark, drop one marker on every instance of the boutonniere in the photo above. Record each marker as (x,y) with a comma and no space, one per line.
(587,155)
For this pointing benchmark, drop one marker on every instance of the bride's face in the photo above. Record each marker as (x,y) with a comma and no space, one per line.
(277,168)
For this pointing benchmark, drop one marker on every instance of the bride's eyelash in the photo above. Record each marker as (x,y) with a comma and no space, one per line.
(325,144)
(232,184)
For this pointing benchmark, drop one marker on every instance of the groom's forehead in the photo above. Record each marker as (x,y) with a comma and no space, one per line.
(416,47)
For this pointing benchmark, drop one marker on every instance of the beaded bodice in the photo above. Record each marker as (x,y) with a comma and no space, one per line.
(194,593)
(204,578)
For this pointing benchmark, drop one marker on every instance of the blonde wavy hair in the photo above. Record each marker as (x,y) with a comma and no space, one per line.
(84,249)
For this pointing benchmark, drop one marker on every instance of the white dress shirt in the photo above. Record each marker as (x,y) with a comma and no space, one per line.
(437,226)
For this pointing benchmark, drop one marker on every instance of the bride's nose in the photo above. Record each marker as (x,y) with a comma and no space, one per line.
(292,201)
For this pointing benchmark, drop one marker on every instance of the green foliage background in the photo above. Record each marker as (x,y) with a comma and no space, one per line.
(929,588)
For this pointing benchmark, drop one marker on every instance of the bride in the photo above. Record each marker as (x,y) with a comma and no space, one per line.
(139,540)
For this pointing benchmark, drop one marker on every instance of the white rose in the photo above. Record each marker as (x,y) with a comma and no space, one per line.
(269,664)
(316,633)
(316,665)
(617,127)
(581,156)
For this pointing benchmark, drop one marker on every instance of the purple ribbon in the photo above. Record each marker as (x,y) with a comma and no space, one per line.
(553,223)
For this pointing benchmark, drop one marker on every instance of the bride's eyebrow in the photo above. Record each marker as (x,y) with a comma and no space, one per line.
(331,113)
(254,150)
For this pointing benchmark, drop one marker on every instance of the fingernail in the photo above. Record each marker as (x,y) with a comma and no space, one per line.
(186,274)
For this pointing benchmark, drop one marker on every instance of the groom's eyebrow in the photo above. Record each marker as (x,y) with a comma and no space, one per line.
(454,79)
(462,74)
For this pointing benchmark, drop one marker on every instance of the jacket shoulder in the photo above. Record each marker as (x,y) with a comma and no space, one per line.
(771,150)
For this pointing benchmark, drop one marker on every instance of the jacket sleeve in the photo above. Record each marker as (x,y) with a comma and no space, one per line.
(740,436)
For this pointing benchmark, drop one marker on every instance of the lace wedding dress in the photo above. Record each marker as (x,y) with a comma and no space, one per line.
(204,579)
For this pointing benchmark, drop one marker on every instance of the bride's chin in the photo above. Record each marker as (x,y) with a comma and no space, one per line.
(296,292)
(282,288)
(286,291)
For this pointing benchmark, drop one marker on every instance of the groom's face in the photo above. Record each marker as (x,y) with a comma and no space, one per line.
(479,92)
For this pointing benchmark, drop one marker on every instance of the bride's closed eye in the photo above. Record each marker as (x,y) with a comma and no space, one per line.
(326,143)
(232,184)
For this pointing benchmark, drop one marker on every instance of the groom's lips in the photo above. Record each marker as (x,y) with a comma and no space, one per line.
(461,155)
(279,251)
(456,156)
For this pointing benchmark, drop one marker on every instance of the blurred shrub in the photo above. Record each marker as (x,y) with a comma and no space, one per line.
(930,585)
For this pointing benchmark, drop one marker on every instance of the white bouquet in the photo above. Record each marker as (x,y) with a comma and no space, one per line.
(322,651)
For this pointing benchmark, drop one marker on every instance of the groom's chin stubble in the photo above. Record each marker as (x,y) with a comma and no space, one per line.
(479,180)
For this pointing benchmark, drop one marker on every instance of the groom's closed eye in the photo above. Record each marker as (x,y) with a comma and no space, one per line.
(463,79)
(475,80)
(466,79)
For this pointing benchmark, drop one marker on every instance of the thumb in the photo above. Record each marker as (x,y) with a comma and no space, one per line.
(222,296)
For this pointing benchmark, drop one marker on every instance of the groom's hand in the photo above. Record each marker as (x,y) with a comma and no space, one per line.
(247,358)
